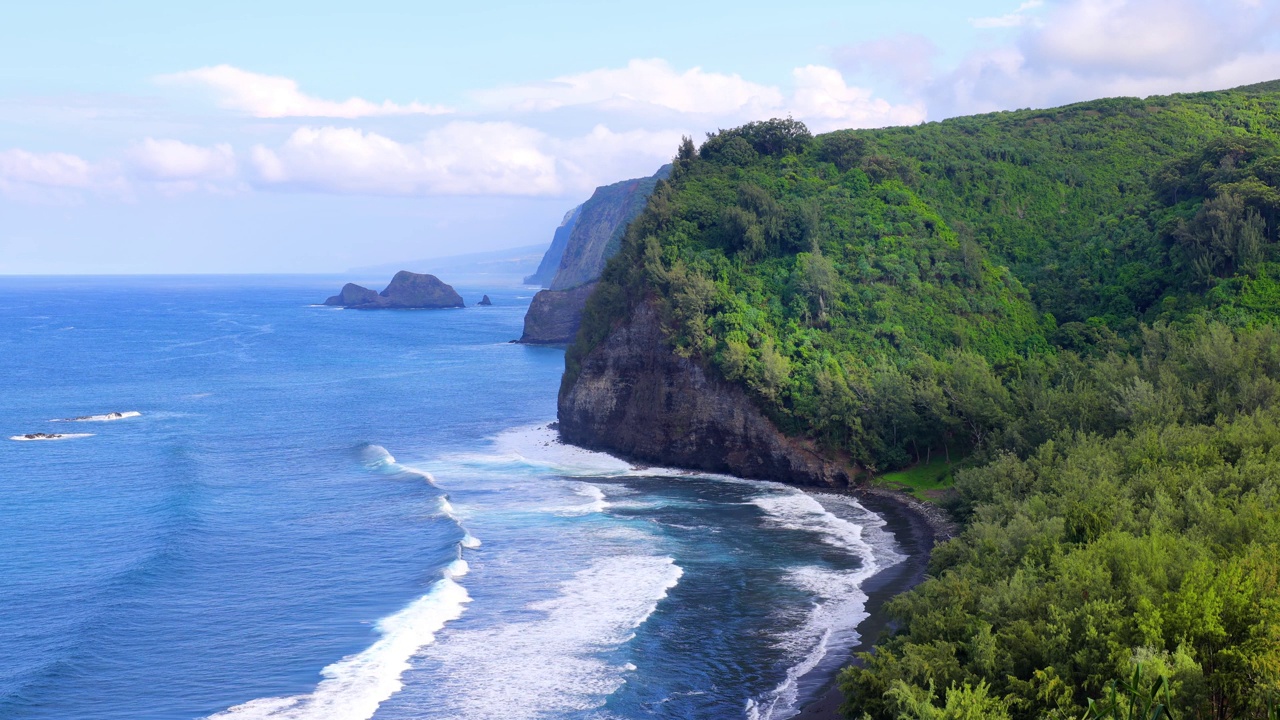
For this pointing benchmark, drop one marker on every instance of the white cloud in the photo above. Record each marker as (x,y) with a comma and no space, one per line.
(1017,18)
(55,177)
(820,97)
(174,160)
(53,170)
(460,158)
(1153,38)
(1082,49)
(603,156)
(273,96)
(652,82)
(825,102)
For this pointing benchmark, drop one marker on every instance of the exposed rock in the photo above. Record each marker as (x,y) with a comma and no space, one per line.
(485,301)
(598,228)
(551,259)
(635,397)
(352,295)
(554,316)
(406,291)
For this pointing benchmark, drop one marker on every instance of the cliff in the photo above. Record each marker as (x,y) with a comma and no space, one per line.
(554,316)
(407,291)
(879,292)
(550,264)
(590,234)
(633,396)
(597,230)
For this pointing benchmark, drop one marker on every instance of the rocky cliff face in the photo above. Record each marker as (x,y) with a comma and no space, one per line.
(406,291)
(588,237)
(551,259)
(636,398)
(554,316)
(598,228)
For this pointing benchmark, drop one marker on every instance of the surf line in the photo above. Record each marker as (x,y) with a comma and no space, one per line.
(356,686)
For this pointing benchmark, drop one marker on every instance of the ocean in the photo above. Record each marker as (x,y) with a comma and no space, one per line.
(341,515)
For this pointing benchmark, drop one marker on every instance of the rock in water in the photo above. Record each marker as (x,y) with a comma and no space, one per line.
(554,316)
(407,291)
(485,301)
(353,295)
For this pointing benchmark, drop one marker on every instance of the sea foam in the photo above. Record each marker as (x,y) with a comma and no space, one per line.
(108,417)
(354,687)
(840,603)
(552,663)
(41,437)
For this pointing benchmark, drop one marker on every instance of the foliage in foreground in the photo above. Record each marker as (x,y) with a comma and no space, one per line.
(1158,544)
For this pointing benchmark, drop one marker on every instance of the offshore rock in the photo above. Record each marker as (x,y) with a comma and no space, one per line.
(554,316)
(353,295)
(485,301)
(635,397)
(407,291)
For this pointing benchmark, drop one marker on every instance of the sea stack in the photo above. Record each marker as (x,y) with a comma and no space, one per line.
(485,301)
(407,291)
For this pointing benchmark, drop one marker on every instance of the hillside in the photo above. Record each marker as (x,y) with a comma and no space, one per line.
(1076,301)
(821,274)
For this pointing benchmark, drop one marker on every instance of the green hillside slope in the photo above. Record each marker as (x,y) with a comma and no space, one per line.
(864,285)
(1078,301)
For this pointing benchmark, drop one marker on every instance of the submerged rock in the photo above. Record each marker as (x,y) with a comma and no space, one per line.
(407,291)
(485,301)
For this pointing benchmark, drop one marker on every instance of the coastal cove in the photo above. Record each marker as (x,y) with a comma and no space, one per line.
(308,488)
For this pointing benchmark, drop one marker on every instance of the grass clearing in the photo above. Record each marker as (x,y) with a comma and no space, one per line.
(926,481)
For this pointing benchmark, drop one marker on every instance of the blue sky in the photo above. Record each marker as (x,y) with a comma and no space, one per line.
(311,137)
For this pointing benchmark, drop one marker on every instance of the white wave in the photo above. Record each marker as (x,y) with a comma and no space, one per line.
(587,490)
(552,664)
(49,436)
(108,417)
(355,686)
(539,446)
(377,457)
(839,601)
(797,510)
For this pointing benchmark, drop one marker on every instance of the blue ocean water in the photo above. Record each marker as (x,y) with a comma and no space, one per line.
(335,514)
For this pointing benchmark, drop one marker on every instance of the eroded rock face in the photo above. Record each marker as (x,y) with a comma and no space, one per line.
(554,316)
(636,398)
(406,291)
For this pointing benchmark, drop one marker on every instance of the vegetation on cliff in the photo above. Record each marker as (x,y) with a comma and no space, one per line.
(1080,300)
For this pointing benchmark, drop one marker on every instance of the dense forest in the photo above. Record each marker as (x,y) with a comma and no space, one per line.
(1079,303)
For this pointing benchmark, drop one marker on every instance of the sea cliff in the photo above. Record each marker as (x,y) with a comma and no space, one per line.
(589,235)
(634,397)
(554,316)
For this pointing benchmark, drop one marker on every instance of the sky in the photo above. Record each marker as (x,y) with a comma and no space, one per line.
(229,137)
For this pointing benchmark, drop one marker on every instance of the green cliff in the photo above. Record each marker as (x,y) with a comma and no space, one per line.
(1078,302)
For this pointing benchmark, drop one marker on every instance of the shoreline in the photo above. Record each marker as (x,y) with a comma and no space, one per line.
(916,527)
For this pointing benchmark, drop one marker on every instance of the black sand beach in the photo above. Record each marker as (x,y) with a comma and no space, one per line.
(916,532)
